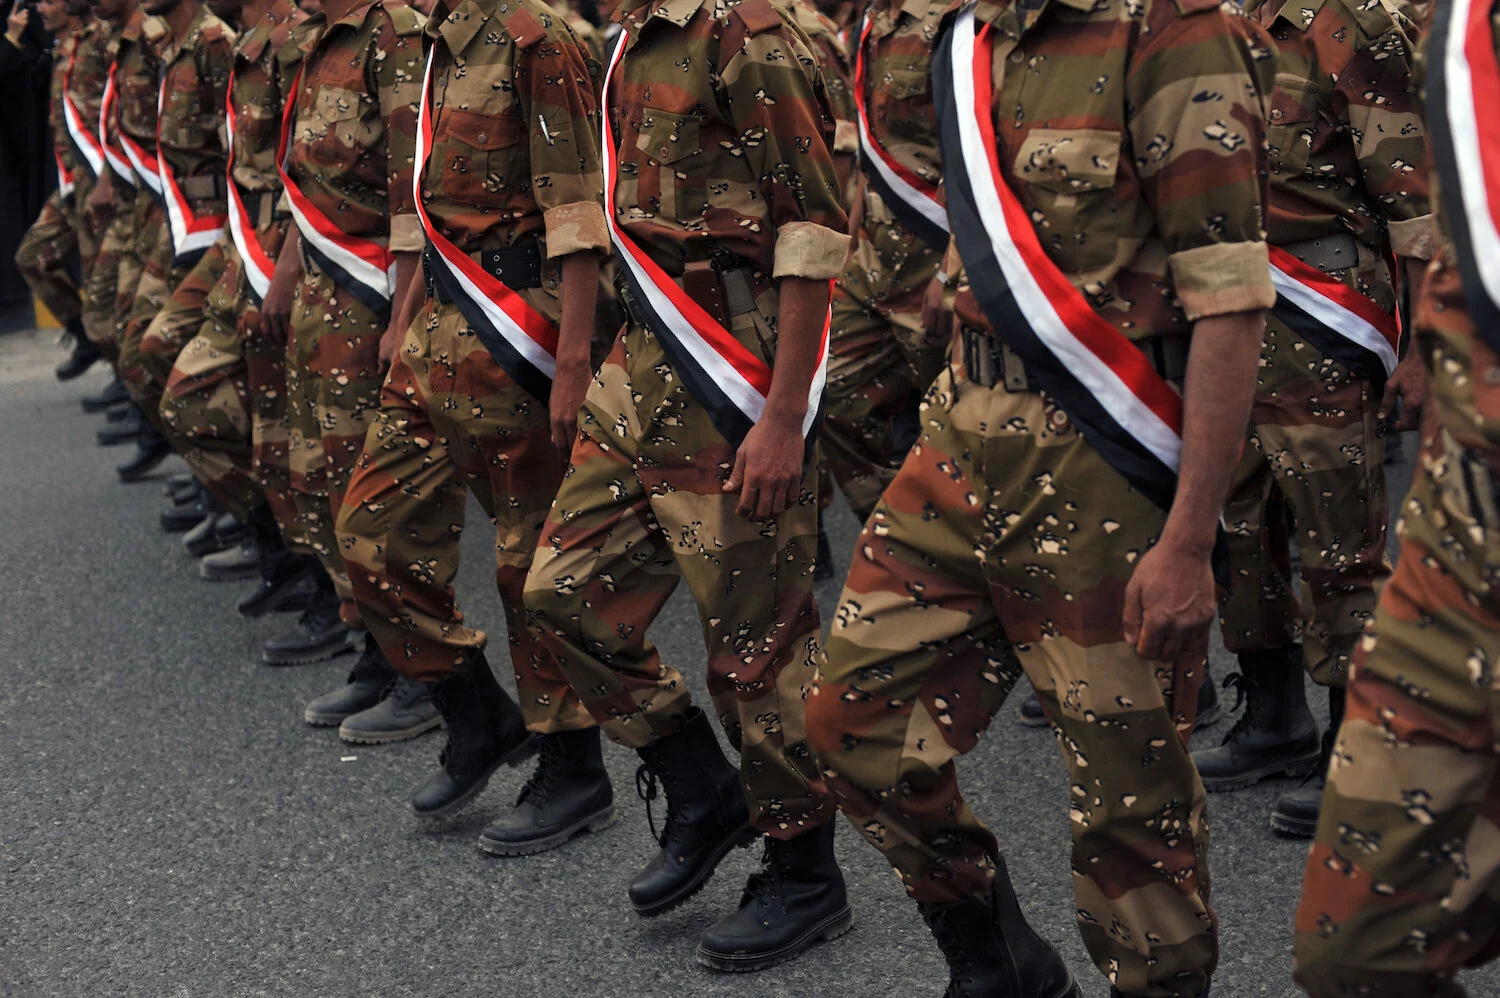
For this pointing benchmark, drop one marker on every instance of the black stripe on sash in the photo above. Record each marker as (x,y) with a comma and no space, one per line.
(520,370)
(1365,364)
(920,224)
(379,305)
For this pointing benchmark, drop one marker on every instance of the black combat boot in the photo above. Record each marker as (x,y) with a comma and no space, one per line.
(1276,735)
(405,710)
(151,449)
(823,568)
(287,580)
(176,483)
(182,517)
(992,952)
(485,731)
(1117,993)
(204,538)
(794,901)
(120,411)
(319,636)
(706,814)
(113,394)
(367,683)
(1296,811)
(122,430)
(83,356)
(238,561)
(569,793)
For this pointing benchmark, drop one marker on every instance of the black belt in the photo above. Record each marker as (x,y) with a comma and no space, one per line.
(990,362)
(517,267)
(723,292)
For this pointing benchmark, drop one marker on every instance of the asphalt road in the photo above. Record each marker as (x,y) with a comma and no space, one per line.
(170,827)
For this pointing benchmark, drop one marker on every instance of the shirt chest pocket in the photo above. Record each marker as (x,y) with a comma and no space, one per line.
(478,153)
(1289,133)
(670,141)
(341,115)
(1069,178)
(902,107)
(669,138)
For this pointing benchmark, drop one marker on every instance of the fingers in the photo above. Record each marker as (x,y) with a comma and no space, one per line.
(1132,613)
(737,475)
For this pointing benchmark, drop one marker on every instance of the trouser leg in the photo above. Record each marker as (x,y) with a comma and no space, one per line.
(43,257)
(104,281)
(178,321)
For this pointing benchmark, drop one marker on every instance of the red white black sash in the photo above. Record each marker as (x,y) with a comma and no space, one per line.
(114,154)
(363,267)
(64,175)
(256,261)
(144,164)
(721,373)
(1465,79)
(90,149)
(1335,318)
(1098,376)
(910,198)
(192,234)
(522,340)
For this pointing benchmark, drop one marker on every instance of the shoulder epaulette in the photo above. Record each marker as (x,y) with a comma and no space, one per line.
(521,24)
(757,15)
(405,18)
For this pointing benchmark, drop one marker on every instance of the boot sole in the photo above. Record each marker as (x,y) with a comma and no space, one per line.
(325,720)
(1295,827)
(596,822)
(1295,769)
(308,658)
(743,838)
(145,470)
(114,441)
(513,758)
(827,930)
(384,737)
(228,574)
(1033,722)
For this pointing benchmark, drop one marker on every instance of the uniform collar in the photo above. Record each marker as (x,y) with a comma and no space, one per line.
(355,17)
(1298,13)
(1005,15)
(458,26)
(639,14)
(253,42)
(171,48)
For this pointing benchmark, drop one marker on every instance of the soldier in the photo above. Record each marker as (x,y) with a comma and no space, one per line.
(224,408)
(194,48)
(1348,199)
(347,148)
(1400,886)
(511,189)
(1102,171)
(691,457)
(59,233)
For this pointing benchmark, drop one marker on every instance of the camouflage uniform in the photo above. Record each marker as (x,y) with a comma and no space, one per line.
(882,359)
(169,299)
(225,405)
(1006,541)
(496,179)
(353,142)
(1347,163)
(1400,887)
(86,88)
(642,505)
(102,286)
(134,235)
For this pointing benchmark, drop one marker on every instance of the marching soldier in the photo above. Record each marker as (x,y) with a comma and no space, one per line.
(1400,885)
(1348,210)
(1102,170)
(511,190)
(347,152)
(692,457)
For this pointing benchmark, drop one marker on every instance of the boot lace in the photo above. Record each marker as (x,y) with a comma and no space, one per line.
(1244,693)
(544,779)
(955,951)
(761,885)
(646,788)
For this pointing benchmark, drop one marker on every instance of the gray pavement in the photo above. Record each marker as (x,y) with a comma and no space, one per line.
(170,827)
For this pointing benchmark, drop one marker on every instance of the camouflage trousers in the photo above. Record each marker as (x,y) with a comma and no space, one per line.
(101,289)
(333,382)
(224,409)
(1402,886)
(44,257)
(452,420)
(879,363)
(1314,463)
(1004,545)
(146,267)
(179,318)
(642,508)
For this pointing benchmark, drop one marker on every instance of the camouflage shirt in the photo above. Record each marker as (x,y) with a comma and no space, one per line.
(1133,133)
(136,78)
(897,56)
(195,80)
(589,36)
(725,138)
(89,55)
(266,59)
(355,132)
(1345,136)
(515,130)
(831,48)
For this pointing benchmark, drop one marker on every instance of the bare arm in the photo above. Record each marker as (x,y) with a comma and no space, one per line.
(404,307)
(575,333)
(276,310)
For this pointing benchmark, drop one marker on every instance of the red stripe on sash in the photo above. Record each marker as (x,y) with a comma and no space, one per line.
(259,267)
(114,153)
(1341,294)
(867,134)
(88,144)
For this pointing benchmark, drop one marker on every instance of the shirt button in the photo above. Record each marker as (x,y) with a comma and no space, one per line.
(482,137)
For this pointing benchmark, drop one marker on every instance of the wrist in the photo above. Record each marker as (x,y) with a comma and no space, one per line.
(1195,541)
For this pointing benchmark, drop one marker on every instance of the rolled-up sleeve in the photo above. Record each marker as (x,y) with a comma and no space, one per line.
(558,103)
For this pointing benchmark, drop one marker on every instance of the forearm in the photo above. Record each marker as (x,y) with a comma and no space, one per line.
(289,257)
(800,321)
(404,292)
(580,291)
(1216,412)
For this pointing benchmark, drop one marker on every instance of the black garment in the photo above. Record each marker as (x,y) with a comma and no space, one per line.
(28,173)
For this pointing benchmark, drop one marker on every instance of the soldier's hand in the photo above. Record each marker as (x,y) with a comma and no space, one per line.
(1169,604)
(99,207)
(276,310)
(1408,384)
(16,23)
(937,321)
(390,342)
(768,467)
(569,386)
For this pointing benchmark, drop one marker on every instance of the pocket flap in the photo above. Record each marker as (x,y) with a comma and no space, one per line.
(336,104)
(482,131)
(1067,160)
(668,137)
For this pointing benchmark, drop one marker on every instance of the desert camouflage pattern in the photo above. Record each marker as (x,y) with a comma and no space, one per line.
(42,259)
(450,417)
(1005,543)
(732,161)
(354,136)
(451,420)
(140,290)
(103,283)
(225,408)
(176,322)
(642,508)
(832,54)
(87,92)
(882,360)
(135,115)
